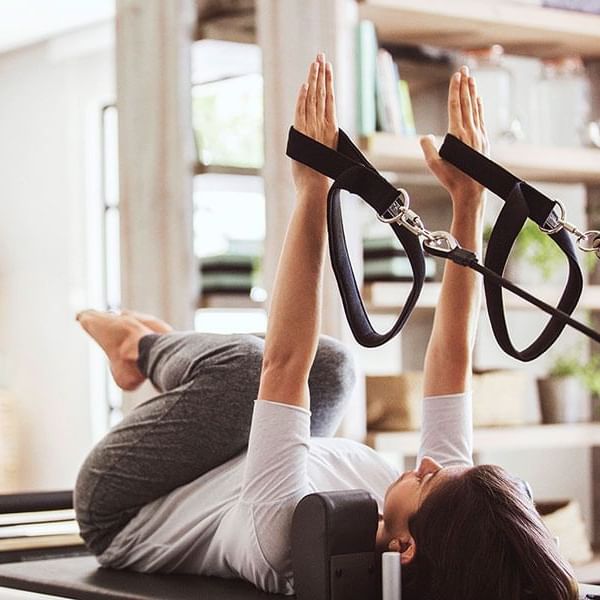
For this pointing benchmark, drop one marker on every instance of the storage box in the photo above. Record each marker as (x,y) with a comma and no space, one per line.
(394,402)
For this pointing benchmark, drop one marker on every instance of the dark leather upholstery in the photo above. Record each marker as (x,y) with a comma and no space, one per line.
(333,547)
(80,578)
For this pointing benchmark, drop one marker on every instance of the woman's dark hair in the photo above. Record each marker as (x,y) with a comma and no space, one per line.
(480,536)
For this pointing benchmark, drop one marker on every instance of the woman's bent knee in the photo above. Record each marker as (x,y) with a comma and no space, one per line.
(99,522)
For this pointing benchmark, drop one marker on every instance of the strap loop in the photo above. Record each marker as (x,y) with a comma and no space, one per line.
(353,173)
(522,202)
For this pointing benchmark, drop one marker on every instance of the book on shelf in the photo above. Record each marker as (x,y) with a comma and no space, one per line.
(389,114)
(229,300)
(228,273)
(384,102)
(408,117)
(227,263)
(585,6)
(384,259)
(366,77)
(38,530)
(395,268)
(41,516)
(228,282)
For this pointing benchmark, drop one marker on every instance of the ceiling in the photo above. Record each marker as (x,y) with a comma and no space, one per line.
(24,22)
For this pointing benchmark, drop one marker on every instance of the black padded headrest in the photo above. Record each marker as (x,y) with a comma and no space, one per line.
(333,548)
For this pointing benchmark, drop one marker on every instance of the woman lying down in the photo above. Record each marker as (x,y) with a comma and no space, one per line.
(204,477)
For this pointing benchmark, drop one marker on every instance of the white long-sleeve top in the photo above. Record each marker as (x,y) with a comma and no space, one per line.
(235,521)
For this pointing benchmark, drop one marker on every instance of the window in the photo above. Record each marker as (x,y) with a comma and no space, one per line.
(229,204)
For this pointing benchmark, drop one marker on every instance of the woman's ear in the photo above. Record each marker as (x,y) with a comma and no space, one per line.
(408,550)
(405,546)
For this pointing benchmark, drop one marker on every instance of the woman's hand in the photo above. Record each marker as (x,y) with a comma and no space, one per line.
(465,121)
(315,117)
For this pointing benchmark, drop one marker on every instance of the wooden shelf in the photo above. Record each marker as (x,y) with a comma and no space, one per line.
(521,29)
(580,435)
(229,302)
(240,28)
(387,297)
(201,169)
(390,152)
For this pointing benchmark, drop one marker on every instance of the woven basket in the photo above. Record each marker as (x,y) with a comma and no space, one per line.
(394,402)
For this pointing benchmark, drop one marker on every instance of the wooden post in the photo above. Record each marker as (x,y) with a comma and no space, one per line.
(156,157)
(291,33)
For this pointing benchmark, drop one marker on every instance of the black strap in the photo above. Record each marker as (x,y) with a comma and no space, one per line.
(353,173)
(522,202)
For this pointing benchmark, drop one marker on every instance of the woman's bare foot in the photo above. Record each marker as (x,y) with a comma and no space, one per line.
(157,325)
(118,336)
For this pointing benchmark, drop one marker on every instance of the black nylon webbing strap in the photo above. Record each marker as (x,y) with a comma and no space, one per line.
(353,173)
(522,201)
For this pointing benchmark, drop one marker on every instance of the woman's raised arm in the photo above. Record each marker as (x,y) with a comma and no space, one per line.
(448,361)
(295,314)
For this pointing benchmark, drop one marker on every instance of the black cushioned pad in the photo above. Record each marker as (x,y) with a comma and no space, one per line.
(81,579)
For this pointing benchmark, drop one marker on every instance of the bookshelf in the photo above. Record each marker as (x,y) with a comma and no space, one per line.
(519,28)
(389,152)
(201,169)
(239,28)
(525,30)
(386,297)
(579,435)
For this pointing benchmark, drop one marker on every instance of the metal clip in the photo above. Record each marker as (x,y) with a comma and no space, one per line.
(397,208)
(560,220)
(441,241)
(411,220)
(590,242)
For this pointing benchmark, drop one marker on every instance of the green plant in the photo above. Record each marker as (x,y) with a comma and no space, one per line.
(568,365)
(572,365)
(539,249)
(591,375)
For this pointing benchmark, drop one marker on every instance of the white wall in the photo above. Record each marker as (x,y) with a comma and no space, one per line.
(50,100)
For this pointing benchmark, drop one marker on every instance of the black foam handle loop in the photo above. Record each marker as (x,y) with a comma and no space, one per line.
(510,221)
(353,173)
(523,201)
(356,313)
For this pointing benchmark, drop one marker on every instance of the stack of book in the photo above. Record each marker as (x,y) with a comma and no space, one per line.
(385,260)
(384,102)
(227,274)
(28,533)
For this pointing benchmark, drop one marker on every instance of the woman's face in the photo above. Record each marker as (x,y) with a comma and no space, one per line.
(404,497)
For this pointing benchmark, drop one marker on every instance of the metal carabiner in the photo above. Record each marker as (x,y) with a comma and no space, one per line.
(560,219)
(590,242)
(400,205)
(441,241)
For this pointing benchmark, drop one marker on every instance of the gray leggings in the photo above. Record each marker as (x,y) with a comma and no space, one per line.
(199,420)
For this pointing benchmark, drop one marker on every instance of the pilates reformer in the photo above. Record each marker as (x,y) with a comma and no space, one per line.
(333,555)
(333,534)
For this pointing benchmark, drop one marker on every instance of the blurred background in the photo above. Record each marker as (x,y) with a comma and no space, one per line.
(142,145)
